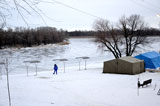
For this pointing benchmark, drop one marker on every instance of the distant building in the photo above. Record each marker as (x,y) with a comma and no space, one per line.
(124,65)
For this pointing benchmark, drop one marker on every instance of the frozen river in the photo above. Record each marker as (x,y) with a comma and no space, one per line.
(77,47)
(46,54)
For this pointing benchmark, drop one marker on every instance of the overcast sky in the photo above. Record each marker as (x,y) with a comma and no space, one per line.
(80,14)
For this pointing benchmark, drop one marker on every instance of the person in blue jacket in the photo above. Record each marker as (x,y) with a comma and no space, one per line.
(55,69)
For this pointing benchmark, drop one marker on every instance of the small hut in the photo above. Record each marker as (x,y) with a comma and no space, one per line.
(124,65)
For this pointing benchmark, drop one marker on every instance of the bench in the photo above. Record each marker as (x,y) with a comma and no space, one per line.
(145,83)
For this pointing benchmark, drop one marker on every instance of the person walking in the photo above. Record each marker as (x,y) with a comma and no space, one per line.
(55,69)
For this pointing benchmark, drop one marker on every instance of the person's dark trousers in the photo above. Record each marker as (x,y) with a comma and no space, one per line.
(55,72)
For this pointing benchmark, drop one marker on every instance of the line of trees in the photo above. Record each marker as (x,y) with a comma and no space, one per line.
(81,33)
(29,37)
(147,31)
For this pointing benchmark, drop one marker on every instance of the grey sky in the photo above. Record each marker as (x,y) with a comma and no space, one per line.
(80,14)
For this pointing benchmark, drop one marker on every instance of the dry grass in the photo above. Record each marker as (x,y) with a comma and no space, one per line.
(44,77)
(64,43)
(153,70)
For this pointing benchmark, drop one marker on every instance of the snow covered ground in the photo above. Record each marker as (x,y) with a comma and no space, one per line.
(74,87)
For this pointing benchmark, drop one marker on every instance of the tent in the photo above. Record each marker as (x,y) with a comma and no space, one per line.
(151,59)
(124,65)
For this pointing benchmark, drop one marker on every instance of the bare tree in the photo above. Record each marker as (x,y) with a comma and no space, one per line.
(133,29)
(107,36)
(129,35)
(22,7)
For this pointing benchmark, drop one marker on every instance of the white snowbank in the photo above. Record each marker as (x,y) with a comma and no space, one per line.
(80,88)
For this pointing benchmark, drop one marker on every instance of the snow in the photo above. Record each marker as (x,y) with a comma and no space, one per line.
(74,87)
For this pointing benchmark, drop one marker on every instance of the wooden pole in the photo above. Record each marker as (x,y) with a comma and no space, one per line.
(1,72)
(79,65)
(138,92)
(85,64)
(137,86)
(64,66)
(35,62)
(27,68)
(158,93)
(9,97)
(36,69)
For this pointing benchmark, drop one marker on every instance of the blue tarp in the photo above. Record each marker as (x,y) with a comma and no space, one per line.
(151,59)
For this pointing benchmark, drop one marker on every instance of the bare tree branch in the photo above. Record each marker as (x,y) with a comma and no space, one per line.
(21,6)
(16,5)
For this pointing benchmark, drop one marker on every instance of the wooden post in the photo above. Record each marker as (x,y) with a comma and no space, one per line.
(85,64)
(158,93)
(26,66)
(1,72)
(137,86)
(155,87)
(63,60)
(6,66)
(35,61)
(64,66)
(27,71)
(36,69)
(79,65)
(1,63)
(138,92)
(85,59)
(79,62)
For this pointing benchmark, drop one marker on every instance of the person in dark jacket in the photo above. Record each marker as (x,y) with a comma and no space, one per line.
(55,69)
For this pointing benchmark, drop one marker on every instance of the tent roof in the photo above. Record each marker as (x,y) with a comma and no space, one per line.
(151,59)
(152,54)
(130,59)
